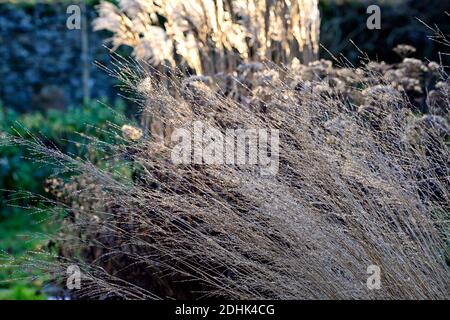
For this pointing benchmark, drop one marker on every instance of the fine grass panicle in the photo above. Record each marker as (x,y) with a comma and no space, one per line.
(362,180)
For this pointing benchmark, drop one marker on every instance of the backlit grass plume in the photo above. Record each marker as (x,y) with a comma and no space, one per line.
(207,36)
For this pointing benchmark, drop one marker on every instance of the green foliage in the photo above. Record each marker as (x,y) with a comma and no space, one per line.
(63,129)
(21,292)
(18,227)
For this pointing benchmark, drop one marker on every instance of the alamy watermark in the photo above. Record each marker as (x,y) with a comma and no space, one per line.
(211,146)
(73,21)
(374,20)
(374,280)
(73,277)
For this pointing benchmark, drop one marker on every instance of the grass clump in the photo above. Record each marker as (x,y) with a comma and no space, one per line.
(362,180)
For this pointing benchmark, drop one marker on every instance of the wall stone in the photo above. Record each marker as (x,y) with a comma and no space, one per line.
(41,59)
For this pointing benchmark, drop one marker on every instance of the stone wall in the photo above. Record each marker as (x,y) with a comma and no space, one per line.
(41,59)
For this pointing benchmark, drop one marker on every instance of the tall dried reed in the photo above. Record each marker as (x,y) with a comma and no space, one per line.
(206,36)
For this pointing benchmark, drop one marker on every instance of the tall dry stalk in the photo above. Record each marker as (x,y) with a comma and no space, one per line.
(209,36)
(206,37)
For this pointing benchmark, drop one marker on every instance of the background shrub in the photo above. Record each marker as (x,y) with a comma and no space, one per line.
(21,230)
